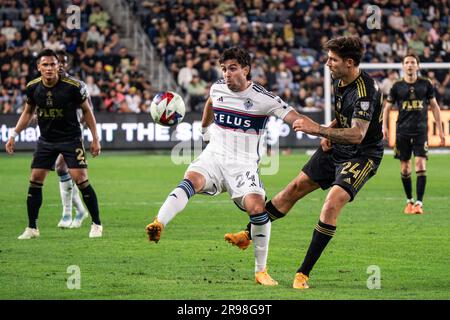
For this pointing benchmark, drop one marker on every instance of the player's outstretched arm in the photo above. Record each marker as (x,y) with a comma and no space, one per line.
(353,135)
(437,118)
(92,125)
(387,108)
(22,123)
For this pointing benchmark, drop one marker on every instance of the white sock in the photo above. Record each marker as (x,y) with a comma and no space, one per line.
(261,236)
(65,188)
(76,200)
(175,202)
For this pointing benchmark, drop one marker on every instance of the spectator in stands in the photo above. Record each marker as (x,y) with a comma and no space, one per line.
(94,37)
(34,44)
(36,19)
(94,93)
(186,74)
(125,60)
(388,82)
(284,78)
(88,62)
(146,102)
(133,100)
(53,43)
(99,17)
(197,90)
(207,73)
(8,30)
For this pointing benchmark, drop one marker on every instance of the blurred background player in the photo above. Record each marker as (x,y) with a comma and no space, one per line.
(70,196)
(56,99)
(412,95)
(239,109)
(350,152)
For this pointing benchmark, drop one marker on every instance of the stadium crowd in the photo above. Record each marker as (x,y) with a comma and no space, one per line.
(94,52)
(284,37)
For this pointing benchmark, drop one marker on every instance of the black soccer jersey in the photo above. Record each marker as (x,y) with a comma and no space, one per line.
(412,100)
(57,107)
(360,99)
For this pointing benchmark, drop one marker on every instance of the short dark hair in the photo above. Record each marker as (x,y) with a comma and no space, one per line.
(415,56)
(241,55)
(46,53)
(350,47)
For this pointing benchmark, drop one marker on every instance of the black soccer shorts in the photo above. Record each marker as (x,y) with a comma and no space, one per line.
(405,145)
(351,175)
(46,153)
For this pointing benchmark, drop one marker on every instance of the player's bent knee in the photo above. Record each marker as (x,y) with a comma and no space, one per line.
(254,203)
(197,180)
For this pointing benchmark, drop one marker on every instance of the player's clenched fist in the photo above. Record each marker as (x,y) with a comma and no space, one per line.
(306,125)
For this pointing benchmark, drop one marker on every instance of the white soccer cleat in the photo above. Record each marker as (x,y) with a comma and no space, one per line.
(76,223)
(96,231)
(29,233)
(65,222)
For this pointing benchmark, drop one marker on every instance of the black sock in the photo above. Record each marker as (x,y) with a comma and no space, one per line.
(407,185)
(34,202)
(274,214)
(420,184)
(321,236)
(90,199)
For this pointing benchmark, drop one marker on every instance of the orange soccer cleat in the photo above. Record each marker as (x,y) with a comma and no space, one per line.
(418,209)
(409,209)
(265,279)
(154,230)
(300,281)
(240,239)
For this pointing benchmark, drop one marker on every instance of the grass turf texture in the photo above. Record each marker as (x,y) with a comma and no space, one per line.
(192,261)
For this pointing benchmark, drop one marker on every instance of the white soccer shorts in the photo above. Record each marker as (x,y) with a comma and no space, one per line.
(239,179)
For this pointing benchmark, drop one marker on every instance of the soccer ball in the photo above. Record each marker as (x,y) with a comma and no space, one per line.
(167,108)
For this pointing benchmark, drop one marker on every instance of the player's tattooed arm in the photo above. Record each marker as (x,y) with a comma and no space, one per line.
(353,135)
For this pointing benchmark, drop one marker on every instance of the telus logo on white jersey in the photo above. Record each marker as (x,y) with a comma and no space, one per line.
(234,120)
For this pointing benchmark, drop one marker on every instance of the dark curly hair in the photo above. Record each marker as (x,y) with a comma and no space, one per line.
(350,47)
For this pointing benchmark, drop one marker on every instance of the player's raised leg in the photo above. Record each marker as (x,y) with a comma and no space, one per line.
(276,208)
(177,200)
(34,202)
(323,232)
(260,228)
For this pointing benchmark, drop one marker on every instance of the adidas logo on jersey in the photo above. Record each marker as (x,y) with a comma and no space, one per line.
(220,99)
(348,180)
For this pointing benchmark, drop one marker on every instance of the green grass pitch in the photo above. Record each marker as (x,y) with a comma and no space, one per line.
(192,261)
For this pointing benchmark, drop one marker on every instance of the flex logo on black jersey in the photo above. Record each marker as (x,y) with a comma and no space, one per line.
(412,105)
(50,113)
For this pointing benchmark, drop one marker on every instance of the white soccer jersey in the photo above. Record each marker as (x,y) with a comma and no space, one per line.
(240,119)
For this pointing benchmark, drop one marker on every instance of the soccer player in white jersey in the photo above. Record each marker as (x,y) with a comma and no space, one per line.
(239,109)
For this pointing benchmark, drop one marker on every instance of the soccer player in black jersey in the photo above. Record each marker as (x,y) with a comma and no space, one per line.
(350,152)
(56,100)
(412,95)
